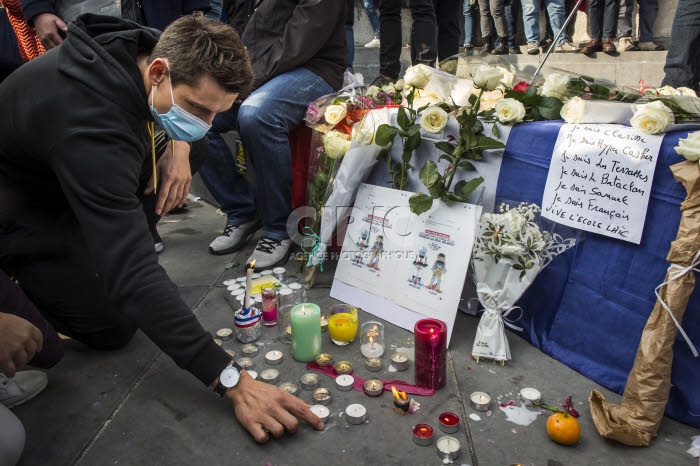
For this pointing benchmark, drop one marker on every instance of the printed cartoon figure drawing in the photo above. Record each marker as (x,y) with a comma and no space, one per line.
(439,268)
(376,251)
(361,244)
(419,263)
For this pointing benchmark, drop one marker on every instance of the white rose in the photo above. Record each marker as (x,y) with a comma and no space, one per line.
(461,92)
(398,85)
(417,76)
(433,119)
(686,91)
(424,98)
(511,250)
(487,77)
(510,111)
(335,144)
(489,99)
(690,146)
(389,88)
(373,91)
(555,85)
(508,78)
(666,90)
(652,118)
(572,111)
(335,113)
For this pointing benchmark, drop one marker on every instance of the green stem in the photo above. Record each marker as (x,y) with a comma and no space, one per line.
(475,108)
(554,409)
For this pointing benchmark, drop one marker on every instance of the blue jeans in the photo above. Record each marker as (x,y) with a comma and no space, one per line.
(468,12)
(531,21)
(372,15)
(265,120)
(683,60)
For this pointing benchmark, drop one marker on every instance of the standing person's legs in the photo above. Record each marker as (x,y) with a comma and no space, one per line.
(648,9)
(265,120)
(610,17)
(391,40)
(682,66)
(468,12)
(499,19)
(596,11)
(531,25)
(624,20)
(512,13)
(485,23)
(557,16)
(447,18)
(423,33)
(373,17)
(12,437)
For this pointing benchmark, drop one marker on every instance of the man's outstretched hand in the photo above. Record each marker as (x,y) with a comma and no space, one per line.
(265,410)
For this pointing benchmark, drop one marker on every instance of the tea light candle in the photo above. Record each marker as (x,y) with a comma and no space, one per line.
(324,323)
(230,281)
(233,287)
(231,353)
(324,360)
(270,375)
(290,387)
(250,350)
(422,435)
(246,363)
(265,273)
(279,272)
(344,382)
(218,341)
(321,411)
(479,401)
(343,367)
(373,387)
(306,332)
(253,374)
(242,279)
(238,293)
(322,396)
(256,276)
(530,395)
(399,361)
(309,381)
(274,357)
(448,448)
(224,334)
(356,413)
(449,422)
(373,364)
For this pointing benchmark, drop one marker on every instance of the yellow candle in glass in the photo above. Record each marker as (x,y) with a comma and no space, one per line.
(342,323)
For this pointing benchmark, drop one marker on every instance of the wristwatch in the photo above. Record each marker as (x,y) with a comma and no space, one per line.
(228,378)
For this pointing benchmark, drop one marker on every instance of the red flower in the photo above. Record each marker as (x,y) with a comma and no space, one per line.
(521,86)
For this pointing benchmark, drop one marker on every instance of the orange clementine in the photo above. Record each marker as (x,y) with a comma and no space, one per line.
(563,428)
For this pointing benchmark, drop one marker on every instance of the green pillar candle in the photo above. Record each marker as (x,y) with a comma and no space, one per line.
(306,332)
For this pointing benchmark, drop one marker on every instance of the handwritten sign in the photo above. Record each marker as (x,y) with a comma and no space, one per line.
(600,178)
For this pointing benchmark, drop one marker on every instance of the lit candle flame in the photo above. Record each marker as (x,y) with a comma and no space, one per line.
(252,264)
(398,395)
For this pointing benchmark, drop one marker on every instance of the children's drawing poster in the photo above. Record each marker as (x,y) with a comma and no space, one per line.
(404,267)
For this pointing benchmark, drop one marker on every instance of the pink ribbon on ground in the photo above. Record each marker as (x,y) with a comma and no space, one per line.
(359,383)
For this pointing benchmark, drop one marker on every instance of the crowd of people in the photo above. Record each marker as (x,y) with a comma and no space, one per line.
(141,110)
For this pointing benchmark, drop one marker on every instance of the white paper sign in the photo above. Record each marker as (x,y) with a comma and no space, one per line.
(403,267)
(600,179)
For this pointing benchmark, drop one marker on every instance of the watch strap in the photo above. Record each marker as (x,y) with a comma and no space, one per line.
(220,389)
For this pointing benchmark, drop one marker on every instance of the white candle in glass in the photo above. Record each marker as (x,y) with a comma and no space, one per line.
(248,280)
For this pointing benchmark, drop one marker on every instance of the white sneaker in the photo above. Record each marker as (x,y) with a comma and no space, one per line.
(373,44)
(270,253)
(233,238)
(21,388)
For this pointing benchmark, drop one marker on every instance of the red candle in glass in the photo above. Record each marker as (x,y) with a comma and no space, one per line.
(269,306)
(431,353)
(449,423)
(423,434)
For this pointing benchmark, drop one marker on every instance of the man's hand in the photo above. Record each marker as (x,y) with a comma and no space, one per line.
(174,177)
(264,409)
(48,29)
(19,341)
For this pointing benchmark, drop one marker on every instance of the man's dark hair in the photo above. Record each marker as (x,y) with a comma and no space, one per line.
(196,46)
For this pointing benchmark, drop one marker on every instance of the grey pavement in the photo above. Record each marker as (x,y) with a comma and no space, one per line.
(135,407)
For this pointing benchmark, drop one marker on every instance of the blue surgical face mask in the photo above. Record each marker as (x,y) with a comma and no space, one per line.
(178,123)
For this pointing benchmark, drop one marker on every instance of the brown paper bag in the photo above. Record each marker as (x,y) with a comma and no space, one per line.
(636,420)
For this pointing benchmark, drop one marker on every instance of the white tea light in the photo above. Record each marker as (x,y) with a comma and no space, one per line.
(265,273)
(270,376)
(253,374)
(246,363)
(224,334)
(321,411)
(231,353)
(356,413)
(530,395)
(230,281)
(373,387)
(234,286)
(256,275)
(218,341)
(448,448)
(373,364)
(274,357)
(309,381)
(399,361)
(480,401)
(250,350)
(344,382)
(290,387)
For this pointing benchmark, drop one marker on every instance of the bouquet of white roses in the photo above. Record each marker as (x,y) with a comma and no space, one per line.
(510,249)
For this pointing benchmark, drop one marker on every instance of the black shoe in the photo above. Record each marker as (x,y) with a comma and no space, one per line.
(501,49)
(381,81)
(515,50)
(487,48)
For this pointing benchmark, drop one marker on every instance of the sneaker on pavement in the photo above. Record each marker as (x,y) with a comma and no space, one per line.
(21,388)
(650,47)
(514,50)
(157,241)
(625,44)
(373,44)
(233,238)
(270,253)
(533,48)
(565,47)
(591,47)
(468,45)
(609,46)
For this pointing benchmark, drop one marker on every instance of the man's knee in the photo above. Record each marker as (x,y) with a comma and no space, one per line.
(12,437)
(109,339)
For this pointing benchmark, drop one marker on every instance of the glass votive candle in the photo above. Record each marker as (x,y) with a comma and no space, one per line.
(449,422)
(306,331)
(342,323)
(285,302)
(372,339)
(269,306)
(423,435)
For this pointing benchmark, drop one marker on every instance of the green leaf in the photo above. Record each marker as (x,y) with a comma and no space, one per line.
(471,139)
(466,165)
(472,99)
(459,150)
(485,142)
(550,108)
(436,190)
(449,158)
(384,156)
(406,156)
(495,131)
(385,134)
(455,197)
(599,92)
(445,147)
(465,188)
(412,141)
(429,173)
(478,126)
(413,130)
(531,92)
(403,119)
(420,202)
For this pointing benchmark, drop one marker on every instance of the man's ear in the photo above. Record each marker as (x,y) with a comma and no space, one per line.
(157,71)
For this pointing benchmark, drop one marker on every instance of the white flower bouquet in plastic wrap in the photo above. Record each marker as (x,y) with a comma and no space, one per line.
(510,249)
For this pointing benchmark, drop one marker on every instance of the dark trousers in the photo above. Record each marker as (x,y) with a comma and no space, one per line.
(683,60)
(423,35)
(448,16)
(60,277)
(602,18)
(648,9)
(14,301)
